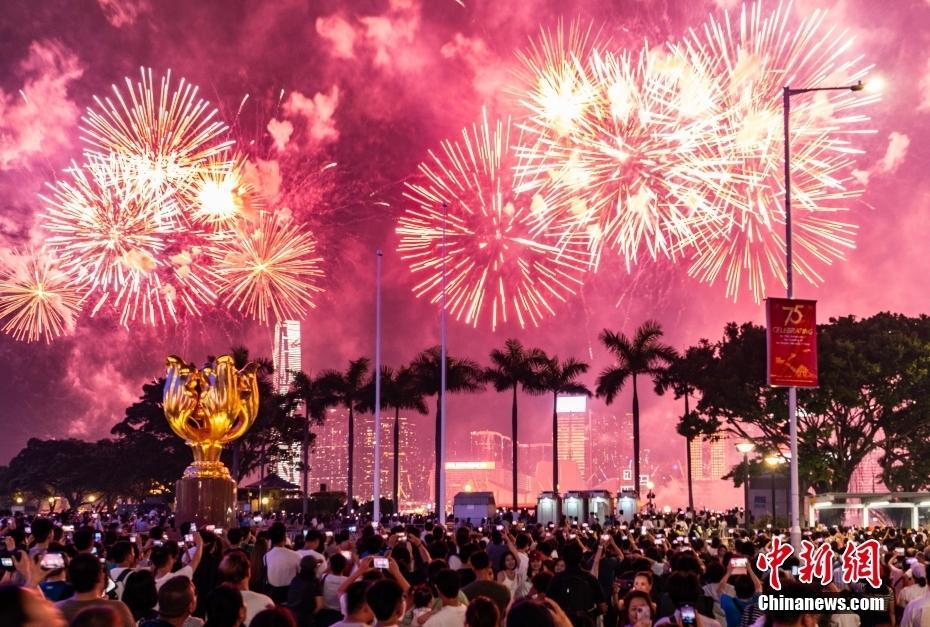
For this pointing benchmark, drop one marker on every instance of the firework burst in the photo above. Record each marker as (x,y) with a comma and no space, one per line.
(220,193)
(167,135)
(741,66)
(38,301)
(268,268)
(120,240)
(631,172)
(501,260)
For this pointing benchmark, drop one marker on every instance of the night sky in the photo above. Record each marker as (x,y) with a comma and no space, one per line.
(383,83)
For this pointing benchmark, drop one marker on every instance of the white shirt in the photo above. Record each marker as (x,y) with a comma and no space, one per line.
(331,585)
(909,593)
(120,584)
(448,616)
(913,613)
(281,564)
(255,602)
(186,571)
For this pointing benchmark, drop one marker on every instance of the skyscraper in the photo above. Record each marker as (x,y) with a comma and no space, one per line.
(286,357)
(573,430)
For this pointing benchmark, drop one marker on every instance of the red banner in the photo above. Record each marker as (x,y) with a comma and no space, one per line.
(792,342)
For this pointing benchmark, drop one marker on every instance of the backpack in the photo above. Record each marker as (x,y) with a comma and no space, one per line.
(579,598)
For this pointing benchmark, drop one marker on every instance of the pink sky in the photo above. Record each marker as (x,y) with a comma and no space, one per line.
(373,85)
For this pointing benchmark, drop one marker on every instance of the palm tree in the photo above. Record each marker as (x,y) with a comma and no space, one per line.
(462,375)
(349,390)
(558,377)
(316,397)
(644,354)
(399,390)
(682,377)
(510,368)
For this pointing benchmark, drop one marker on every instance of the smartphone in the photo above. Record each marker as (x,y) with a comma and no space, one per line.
(353,529)
(329,534)
(605,538)
(739,565)
(571,536)
(218,531)
(51,561)
(347,555)
(67,528)
(500,527)
(157,543)
(402,537)
(132,537)
(795,570)
(687,615)
(98,537)
(28,530)
(6,562)
(193,527)
(898,551)
(382,563)
(660,536)
(189,537)
(257,519)
(208,528)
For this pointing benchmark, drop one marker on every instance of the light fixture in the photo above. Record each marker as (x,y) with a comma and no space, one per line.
(745,447)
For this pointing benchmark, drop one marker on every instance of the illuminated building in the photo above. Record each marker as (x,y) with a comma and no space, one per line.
(286,358)
(709,458)
(573,431)
(492,446)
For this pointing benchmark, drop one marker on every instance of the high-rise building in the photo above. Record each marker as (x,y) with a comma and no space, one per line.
(573,430)
(329,457)
(286,353)
(286,357)
(492,446)
(709,458)
(365,464)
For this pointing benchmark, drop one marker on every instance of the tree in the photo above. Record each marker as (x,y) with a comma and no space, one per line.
(869,392)
(399,390)
(512,367)
(316,397)
(682,377)
(558,377)
(643,355)
(462,375)
(56,467)
(348,389)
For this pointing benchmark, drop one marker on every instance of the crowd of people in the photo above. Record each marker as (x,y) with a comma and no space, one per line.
(676,570)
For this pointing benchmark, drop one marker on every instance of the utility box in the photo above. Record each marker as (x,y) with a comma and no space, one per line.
(574,506)
(627,507)
(600,505)
(473,507)
(547,508)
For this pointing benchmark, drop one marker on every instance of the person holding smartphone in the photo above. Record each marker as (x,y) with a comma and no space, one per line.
(746,587)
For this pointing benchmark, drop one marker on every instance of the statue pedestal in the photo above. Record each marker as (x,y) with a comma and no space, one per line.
(205,501)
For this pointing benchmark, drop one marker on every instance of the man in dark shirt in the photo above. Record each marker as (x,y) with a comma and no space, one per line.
(484,584)
(88,579)
(576,591)
(496,549)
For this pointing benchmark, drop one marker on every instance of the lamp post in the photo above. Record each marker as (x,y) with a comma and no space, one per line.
(795,492)
(376,493)
(745,448)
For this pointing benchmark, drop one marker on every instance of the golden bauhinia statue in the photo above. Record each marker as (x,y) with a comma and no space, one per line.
(209,408)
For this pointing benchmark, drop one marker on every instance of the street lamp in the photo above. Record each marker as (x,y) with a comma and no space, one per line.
(745,448)
(795,492)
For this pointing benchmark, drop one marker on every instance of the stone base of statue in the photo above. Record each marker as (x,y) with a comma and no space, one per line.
(205,500)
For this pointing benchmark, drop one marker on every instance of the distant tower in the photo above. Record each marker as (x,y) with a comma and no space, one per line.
(286,356)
